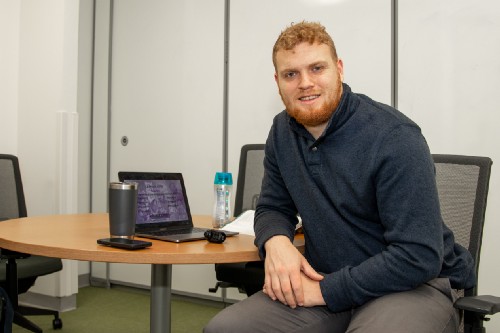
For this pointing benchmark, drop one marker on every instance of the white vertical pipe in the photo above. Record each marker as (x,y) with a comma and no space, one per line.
(67,279)
(68,162)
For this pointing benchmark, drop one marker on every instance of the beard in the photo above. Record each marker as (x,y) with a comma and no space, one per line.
(319,115)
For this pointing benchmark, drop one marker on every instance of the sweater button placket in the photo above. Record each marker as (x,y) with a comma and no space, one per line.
(314,161)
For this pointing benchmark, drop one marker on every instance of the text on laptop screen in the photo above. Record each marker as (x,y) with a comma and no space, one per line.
(160,201)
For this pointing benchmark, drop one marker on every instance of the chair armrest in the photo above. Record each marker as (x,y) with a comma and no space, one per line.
(483,304)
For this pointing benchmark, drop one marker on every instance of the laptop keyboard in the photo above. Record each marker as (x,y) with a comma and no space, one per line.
(176,232)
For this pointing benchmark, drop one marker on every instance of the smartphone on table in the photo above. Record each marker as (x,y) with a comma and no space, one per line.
(124,243)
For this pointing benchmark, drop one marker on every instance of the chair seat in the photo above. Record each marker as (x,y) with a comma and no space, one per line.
(34,266)
(250,275)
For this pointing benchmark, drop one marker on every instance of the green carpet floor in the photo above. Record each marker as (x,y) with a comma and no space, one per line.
(122,309)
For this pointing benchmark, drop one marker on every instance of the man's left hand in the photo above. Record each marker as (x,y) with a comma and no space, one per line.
(312,292)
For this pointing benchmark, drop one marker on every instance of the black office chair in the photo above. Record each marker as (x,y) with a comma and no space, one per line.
(248,277)
(462,183)
(19,271)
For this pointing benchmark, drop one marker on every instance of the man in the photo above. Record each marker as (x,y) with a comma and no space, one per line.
(378,256)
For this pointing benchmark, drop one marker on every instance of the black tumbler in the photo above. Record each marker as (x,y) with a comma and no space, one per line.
(122,209)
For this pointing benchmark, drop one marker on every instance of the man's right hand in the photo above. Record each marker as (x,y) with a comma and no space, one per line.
(284,265)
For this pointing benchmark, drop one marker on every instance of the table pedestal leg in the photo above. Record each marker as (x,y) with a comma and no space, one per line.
(161,285)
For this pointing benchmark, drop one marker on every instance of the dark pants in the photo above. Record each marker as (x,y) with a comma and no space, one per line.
(6,312)
(426,309)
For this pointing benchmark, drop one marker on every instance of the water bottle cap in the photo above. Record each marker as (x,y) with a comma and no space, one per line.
(223,178)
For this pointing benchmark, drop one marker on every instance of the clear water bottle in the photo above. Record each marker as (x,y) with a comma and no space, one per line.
(223,185)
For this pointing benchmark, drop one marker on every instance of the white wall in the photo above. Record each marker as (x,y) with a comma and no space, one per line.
(39,89)
(47,79)
(9,77)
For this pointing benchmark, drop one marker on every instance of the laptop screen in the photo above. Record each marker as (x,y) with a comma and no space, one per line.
(160,201)
(161,198)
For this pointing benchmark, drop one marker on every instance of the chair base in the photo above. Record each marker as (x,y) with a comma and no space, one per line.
(22,311)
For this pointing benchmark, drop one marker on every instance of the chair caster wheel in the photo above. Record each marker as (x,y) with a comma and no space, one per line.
(57,324)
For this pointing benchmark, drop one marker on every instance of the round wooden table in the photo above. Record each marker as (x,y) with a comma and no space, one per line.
(74,237)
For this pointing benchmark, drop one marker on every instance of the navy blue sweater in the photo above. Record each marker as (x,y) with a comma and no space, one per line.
(367,196)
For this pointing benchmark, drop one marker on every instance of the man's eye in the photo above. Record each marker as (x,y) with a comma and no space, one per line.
(317,68)
(289,75)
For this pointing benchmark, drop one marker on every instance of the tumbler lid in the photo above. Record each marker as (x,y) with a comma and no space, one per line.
(123,186)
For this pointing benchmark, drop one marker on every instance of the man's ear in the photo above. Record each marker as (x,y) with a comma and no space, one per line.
(340,68)
(276,79)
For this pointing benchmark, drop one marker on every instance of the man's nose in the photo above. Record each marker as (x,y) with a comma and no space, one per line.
(306,81)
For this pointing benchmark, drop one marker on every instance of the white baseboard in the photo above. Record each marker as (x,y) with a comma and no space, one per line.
(99,282)
(60,304)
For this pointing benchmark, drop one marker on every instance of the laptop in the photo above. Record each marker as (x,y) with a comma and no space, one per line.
(162,207)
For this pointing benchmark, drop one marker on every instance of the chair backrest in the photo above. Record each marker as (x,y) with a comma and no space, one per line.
(462,183)
(250,174)
(12,203)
